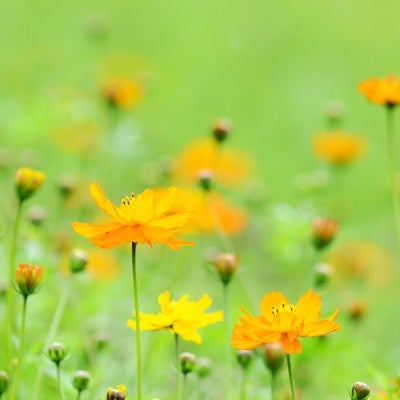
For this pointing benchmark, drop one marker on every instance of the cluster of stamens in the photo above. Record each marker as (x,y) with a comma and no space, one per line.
(127,200)
(283,308)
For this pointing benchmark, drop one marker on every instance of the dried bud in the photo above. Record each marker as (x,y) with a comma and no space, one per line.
(80,380)
(205,177)
(226,265)
(360,391)
(4,380)
(117,394)
(274,356)
(323,232)
(203,368)
(78,260)
(188,362)
(221,128)
(322,274)
(57,352)
(244,358)
(28,278)
(36,215)
(27,181)
(356,310)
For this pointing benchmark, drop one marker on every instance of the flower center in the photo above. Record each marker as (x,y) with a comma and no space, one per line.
(283,308)
(127,200)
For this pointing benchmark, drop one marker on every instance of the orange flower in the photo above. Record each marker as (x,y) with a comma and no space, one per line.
(226,166)
(28,278)
(122,92)
(384,91)
(283,322)
(150,217)
(338,147)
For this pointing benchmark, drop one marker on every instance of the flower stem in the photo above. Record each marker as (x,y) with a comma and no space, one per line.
(227,337)
(273,386)
(78,396)
(391,149)
(179,385)
(137,308)
(60,392)
(21,349)
(289,367)
(243,384)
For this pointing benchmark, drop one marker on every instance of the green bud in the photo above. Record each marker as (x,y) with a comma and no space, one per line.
(57,352)
(205,179)
(78,260)
(221,129)
(322,274)
(274,356)
(226,265)
(80,380)
(244,358)
(116,394)
(3,382)
(203,368)
(188,362)
(360,391)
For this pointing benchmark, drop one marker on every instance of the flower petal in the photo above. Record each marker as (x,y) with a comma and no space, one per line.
(270,300)
(309,306)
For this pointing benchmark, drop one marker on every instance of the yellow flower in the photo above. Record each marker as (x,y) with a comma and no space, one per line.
(122,92)
(283,322)
(28,278)
(338,147)
(150,217)
(27,181)
(182,317)
(384,91)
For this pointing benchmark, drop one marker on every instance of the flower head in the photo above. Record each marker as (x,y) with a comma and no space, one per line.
(147,218)
(122,92)
(182,317)
(283,322)
(27,181)
(384,91)
(338,147)
(28,278)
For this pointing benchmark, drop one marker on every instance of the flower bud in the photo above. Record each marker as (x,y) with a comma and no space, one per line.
(322,274)
(360,391)
(3,382)
(221,128)
(27,181)
(323,232)
(36,215)
(226,265)
(80,380)
(57,352)
(205,179)
(203,368)
(334,111)
(188,362)
(28,278)
(66,186)
(78,260)
(117,394)
(274,356)
(244,357)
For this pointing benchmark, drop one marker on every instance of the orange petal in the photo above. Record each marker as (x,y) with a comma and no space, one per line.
(290,346)
(270,300)
(102,202)
(309,306)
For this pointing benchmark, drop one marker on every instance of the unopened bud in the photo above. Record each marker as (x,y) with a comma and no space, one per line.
(221,129)
(205,179)
(4,380)
(226,265)
(360,391)
(188,362)
(66,185)
(36,215)
(322,274)
(78,260)
(27,181)
(80,380)
(117,394)
(244,358)
(334,112)
(274,356)
(28,278)
(323,232)
(203,368)
(57,352)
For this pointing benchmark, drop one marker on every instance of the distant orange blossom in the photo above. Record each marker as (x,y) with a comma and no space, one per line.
(384,91)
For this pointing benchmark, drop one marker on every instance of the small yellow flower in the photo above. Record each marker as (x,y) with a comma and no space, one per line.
(28,278)
(283,322)
(147,218)
(122,93)
(384,91)
(27,181)
(182,317)
(338,147)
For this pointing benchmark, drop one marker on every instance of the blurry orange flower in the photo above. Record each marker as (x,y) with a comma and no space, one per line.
(338,147)
(384,91)
(28,278)
(182,317)
(283,322)
(226,166)
(27,181)
(122,92)
(150,217)
(101,266)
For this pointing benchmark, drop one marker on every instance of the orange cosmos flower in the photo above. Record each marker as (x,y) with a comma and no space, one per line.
(384,91)
(122,92)
(283,322)
(28,278)
(338,147)
(150,217)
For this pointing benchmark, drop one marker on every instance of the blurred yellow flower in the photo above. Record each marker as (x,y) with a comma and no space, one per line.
(182,317)
(384,91)
(27,181)
(283,322)
(226,166)
(122,92)
(338,147)
(28,278)
(150,217)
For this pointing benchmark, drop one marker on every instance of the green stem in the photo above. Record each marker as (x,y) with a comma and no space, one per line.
(391,149)
(243,384)
(79,395)
(9,322)
(20,351)
(273,386)
(227,337)
(60,392)
(137,309)
(289,367)
(179,381)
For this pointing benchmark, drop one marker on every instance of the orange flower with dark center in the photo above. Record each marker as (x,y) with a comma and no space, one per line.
(338,147)
(122,92)
(384,91)
(153,216)
(283,322)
